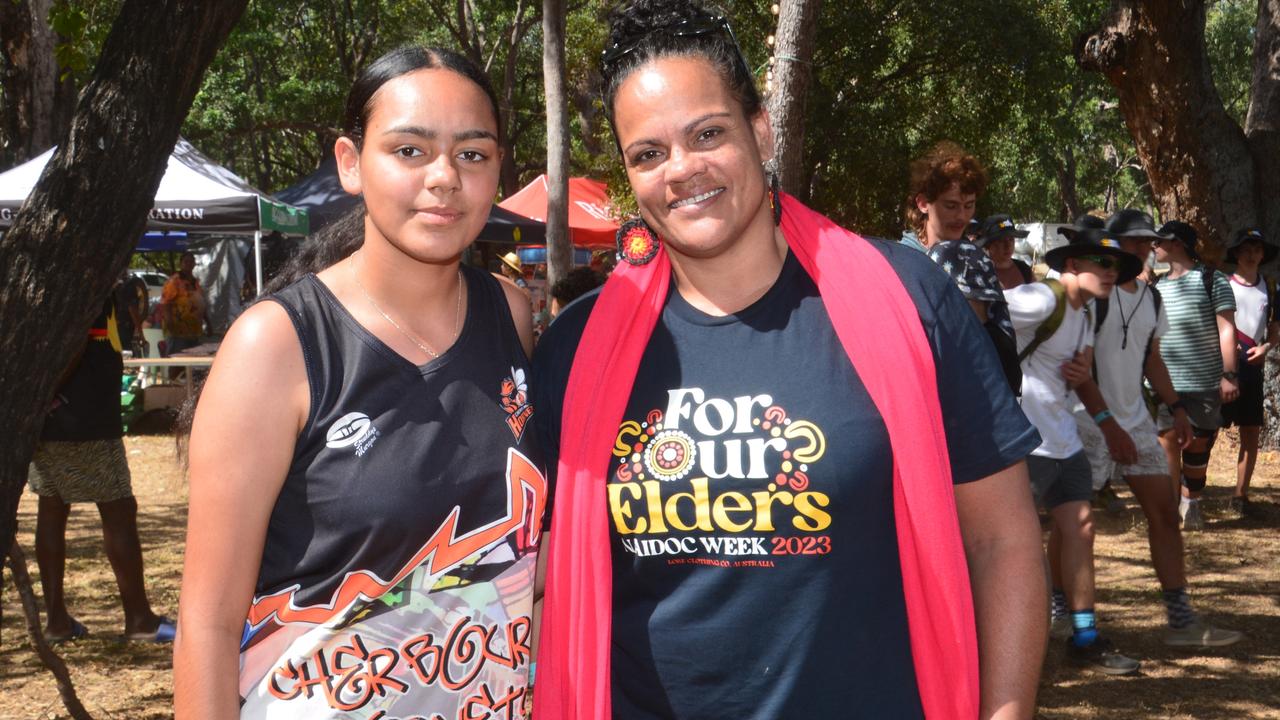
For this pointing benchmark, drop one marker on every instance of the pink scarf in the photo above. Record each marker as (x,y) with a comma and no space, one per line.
(879,328)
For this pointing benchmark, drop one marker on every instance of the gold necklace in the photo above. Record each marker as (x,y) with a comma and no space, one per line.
(457,313)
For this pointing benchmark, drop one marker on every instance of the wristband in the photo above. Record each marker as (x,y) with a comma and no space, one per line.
(1102,417)
(1176,405)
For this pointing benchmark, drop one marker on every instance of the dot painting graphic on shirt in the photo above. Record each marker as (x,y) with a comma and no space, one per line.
(721,481)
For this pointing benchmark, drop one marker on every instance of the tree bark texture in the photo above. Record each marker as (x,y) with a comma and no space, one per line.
(792,72)
(559,242)
(509,177)
(1262,125)
(74,234)
(51,660)
(1262,130)
(1195,155)
(38,103)
(1067,188)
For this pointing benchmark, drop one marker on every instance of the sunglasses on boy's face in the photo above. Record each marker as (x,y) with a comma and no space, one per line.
(1106,262)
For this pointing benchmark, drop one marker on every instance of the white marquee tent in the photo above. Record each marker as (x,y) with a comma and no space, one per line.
(196,195)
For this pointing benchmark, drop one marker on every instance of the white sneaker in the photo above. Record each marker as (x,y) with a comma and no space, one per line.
(1191,518)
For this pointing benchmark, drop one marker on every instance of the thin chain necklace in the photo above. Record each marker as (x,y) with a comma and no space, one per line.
(457,313)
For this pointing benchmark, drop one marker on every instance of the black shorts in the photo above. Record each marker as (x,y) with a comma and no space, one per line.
(1246,411)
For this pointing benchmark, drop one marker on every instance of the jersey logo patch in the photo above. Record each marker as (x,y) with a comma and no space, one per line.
(514,398)
(352,429)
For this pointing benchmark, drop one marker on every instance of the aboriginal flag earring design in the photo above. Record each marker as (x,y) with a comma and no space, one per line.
(637,242)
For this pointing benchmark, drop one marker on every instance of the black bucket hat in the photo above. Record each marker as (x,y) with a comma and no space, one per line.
(1094,241)
(997,227)
(1269,251)
(1133,223)
(1082,223)
(1183,233)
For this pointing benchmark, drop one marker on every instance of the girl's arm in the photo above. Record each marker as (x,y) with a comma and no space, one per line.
(242,440)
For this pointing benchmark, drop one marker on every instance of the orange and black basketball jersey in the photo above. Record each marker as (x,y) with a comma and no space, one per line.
(397,573)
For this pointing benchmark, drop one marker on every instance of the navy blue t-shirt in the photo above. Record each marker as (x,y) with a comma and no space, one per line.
(755,561)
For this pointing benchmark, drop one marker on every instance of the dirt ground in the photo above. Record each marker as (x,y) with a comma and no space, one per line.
(1232,565)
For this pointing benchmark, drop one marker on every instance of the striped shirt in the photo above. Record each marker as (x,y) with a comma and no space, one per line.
(1191,349)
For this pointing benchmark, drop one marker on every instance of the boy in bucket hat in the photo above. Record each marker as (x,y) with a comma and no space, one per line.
(997,235)
(1200,352)
(1055,339)
(1119,436)
(1257,333)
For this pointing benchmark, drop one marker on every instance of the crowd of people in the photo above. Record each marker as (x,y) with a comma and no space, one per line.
(1127,375)
(768,469)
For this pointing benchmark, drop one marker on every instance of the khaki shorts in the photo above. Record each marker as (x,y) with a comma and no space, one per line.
(89,471)
(1151,457)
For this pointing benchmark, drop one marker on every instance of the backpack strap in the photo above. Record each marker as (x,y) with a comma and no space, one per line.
(1027,276)
(1100,307)
(1051,323)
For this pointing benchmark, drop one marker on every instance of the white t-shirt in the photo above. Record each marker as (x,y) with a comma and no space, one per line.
(1046,400)
(1120,354)
(1251,308)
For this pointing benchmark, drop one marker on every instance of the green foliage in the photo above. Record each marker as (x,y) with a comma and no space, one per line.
(81,26)
(1228,36)
(891,78)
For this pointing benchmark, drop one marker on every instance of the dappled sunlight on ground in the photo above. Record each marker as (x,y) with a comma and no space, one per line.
(1232,564)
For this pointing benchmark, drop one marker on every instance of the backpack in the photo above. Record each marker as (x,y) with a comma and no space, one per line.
(1007,352)
(1027,276)
(1051,323)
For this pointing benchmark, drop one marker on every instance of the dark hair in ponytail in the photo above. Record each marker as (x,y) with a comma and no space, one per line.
(639,25)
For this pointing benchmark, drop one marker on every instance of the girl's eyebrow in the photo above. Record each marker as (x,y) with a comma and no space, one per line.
(428,134)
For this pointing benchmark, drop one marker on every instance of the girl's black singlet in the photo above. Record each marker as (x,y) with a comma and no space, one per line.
(397,574)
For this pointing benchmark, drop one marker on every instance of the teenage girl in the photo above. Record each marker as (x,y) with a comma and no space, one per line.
(365,503)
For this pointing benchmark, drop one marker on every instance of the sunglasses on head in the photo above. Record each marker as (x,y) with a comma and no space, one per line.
(1106,262)
(697,27)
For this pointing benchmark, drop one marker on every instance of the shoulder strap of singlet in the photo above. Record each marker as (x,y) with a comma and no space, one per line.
(1051,323)
(496,296)
(301,302)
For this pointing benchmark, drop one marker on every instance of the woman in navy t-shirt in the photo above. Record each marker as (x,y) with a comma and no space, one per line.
(366,498)
(743,512)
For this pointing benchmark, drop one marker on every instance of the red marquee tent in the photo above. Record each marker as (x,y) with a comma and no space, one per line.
(590,223)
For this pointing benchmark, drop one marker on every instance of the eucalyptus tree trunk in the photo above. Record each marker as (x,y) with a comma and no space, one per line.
(559,243)
(73,236)
(1262,131)
(792,72)
(1195,155)
(37,100)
